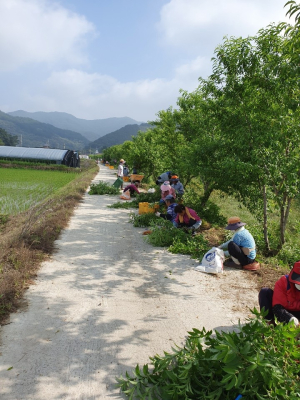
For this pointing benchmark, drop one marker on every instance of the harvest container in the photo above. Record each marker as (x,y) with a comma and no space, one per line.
(135,177)
(144,208)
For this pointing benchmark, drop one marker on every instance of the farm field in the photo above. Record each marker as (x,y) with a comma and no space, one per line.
(20,189)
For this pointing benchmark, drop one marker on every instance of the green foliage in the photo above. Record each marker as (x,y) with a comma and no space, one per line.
(209,212)
(195,246)
(237,133)
(124,204)
(6,139)
(164,233)
(103,188)
(288,254)
(143,220)
(149,197)
(258,362)
(3,219)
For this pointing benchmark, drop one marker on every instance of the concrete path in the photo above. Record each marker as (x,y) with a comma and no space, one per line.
(105,302)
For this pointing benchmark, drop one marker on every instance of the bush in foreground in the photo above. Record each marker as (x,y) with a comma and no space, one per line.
(258,362)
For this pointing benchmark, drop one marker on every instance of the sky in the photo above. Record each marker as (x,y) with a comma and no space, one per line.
(99,59)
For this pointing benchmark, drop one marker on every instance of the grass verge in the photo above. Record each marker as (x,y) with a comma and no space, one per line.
(28,238)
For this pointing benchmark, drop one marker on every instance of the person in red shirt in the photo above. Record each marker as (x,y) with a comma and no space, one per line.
(284,301)
(132,188)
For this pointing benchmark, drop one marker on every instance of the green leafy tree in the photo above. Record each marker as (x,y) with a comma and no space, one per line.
(254,92)
(6,139)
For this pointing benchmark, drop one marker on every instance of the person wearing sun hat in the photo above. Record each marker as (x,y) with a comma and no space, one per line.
(177,185)
(166,189)
(284,301)
(170,214)
(120,172)
(241,247)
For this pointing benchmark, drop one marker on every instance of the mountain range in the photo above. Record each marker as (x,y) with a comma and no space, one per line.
(90,129)
(117,137)
(32,133)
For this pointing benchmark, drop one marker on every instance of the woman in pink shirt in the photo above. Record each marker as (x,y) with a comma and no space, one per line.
(166,189)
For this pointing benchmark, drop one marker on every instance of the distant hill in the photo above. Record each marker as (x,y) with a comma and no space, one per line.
(37,134)
(91,129)
(118,137)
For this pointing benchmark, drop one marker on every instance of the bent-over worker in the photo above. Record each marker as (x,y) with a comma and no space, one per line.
(241,247)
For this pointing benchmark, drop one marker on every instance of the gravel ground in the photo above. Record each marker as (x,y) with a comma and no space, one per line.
(106,301)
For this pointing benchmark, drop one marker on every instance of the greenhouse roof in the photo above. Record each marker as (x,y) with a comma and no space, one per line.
(32,153)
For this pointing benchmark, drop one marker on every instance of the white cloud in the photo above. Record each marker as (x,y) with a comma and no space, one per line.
(197,25)
(35,31)
(93,95)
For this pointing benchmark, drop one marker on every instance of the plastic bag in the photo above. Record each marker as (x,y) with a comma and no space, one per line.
(212,261)
(151,190)
(125,195)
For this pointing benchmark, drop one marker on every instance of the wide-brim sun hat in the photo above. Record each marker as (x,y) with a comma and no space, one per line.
(122,160)
(234,223)
(294,275)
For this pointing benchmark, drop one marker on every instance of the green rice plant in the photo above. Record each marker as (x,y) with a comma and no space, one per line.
(259,362)
(103,188)
(22,188)
(195,246)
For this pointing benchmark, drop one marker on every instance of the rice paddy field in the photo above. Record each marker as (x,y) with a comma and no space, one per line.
(22,188)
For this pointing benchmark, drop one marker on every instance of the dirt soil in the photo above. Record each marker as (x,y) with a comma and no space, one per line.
(107,301)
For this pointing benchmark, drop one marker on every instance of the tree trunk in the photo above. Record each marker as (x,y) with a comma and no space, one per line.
(284,215)
(266,237)
(207,192)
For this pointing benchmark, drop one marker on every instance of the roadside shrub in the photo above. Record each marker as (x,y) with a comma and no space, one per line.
(103,188)
(258,362)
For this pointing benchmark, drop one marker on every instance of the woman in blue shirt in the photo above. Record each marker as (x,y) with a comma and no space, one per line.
(241,247)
